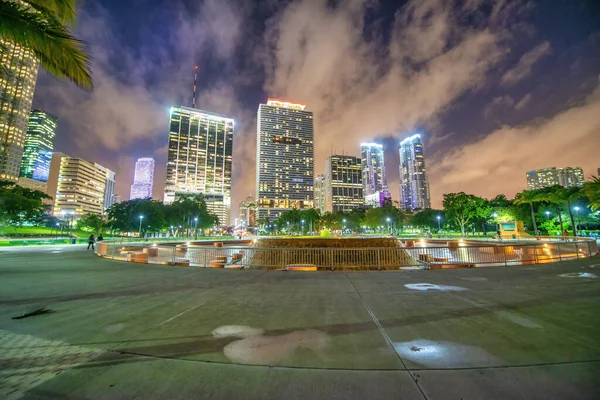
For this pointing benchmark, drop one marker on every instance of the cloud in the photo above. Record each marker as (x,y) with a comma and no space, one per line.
(497,163)
(523,102)
(525,64)
(500,103)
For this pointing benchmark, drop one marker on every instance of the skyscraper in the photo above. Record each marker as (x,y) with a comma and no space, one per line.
(78,186)
(320,193)
(344,183)
(373,169)
(17,84)
(284,158)
(199,158)
(414,185)
(109,190)
(545,177)
(39,143)
(143,179)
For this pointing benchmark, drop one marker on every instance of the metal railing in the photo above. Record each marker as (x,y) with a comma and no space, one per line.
(454,254)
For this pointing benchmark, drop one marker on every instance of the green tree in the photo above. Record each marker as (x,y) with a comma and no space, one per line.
(463,208)
(43,26)
(591,190)
(92,223)
(563,197)
(19,204)
(428,218)
(529,197)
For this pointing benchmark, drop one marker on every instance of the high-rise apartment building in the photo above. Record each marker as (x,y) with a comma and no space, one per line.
(373,168)
(17,84)
(284,158)
(414,185)
(199,158)
(39,144)
(78,186)
(320,193)
(109,190)
(143,179)
(344,183)
(546,177)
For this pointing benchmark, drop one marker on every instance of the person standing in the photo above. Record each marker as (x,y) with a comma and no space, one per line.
(91,241)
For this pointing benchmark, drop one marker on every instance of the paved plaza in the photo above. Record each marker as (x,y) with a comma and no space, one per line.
(118,330)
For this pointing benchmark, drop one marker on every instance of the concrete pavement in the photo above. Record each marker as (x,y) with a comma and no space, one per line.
(122,330)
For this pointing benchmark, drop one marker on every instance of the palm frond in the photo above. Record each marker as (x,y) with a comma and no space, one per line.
(59,52)
(64,10)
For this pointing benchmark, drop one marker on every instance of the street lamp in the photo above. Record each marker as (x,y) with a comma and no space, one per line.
(196,228)
(302,226)
(576,220)
(439,223)
(388,223)
(343,225)
(140,230)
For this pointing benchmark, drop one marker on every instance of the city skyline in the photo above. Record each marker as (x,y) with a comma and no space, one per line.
(535,87)
(414,183)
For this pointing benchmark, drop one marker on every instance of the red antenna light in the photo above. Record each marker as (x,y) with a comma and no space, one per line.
(194,96)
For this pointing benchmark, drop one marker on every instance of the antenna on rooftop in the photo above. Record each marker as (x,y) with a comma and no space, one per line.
(195,77)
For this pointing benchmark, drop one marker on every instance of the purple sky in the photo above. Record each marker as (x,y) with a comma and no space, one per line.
(496,88)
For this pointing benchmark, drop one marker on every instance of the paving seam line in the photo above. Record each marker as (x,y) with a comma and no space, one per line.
(385,336)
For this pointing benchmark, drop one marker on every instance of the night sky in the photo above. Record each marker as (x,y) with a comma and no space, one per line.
(494,88)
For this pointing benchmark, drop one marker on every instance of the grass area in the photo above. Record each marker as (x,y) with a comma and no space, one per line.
(38,230)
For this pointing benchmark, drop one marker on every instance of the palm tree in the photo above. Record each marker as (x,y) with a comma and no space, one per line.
(591,190)
(560,195)
(529,197)
(42,26)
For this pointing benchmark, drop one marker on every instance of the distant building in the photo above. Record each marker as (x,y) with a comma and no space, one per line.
(377,199)
(320,193)
(109,190)
(200,157)
(546,177)
(17,85)
(39,144)
(373,169)
(344,183)
(35,185)
(284,158)
(143,179)
(247,212)
(78,186)
(414,185)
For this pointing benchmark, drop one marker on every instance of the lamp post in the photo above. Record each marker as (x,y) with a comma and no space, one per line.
(576,221)
(196,228)
(388,223)
(439,223)
(140,230)
(303,227)
(343,226)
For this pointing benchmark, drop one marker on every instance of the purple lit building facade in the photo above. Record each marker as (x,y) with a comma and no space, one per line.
(143,179)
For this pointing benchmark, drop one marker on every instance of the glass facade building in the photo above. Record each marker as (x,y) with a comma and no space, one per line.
(414,185)
(320,193)
(17,84)
(344,183)
(39,144)
(373,169)
(546,177)
(143,179)
(199,158)
(284,158)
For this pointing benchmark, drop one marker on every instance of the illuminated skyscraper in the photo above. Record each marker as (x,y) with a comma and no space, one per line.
(373,169)
(284,158)
(570,177)
(78,186)
(17,84)
(414,185)
(142,179)
(199,158)
(320,193)
(39,144)
(344,183)
(546,177)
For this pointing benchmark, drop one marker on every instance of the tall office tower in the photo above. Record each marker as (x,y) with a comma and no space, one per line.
(199,158)
(17,84)
(541,178)
(284,158)
(77,186)
(39,144)
(414,185)
(248,212)
(570,177)
(109,190)
(320,193)
(373,169)
(344,183)
(143,178)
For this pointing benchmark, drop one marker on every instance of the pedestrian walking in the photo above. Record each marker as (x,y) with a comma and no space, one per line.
(100,238)
(91,241)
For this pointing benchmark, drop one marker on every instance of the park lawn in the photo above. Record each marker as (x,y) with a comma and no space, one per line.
(38,230)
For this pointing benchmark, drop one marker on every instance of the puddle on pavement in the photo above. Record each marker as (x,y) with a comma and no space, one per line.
(255,348)
(578,275)
(475,279)
(443,354)
(429,286)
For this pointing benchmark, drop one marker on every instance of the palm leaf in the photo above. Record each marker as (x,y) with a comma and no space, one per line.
(59,52)
(63,10)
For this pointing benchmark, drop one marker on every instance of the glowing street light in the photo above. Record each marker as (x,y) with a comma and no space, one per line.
(439,218)
(196,228)
(576,220)
(548,214)
(140,230)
